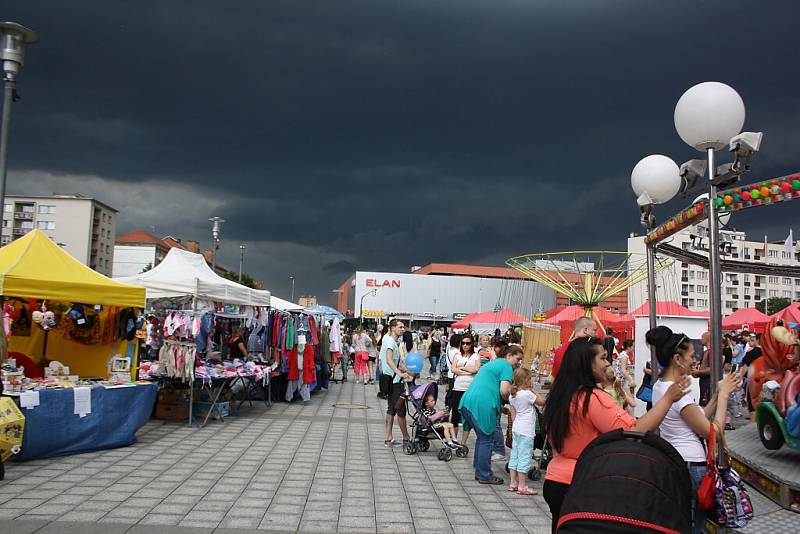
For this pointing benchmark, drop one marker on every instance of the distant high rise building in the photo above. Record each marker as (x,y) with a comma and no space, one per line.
(82,226)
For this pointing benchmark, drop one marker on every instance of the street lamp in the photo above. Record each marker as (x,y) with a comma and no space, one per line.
(242,248)
(12,38)
(655,180)
(292,279)
(215,227)
(707,117)
(372,292)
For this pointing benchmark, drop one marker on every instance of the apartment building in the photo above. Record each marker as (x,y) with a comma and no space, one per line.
(83,226)
(689,284)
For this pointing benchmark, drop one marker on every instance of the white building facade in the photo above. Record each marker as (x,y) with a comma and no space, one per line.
(444,298)
(82,226)
(688,284)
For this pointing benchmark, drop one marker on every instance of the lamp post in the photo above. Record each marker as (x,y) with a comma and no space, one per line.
(707,117)
(242,248)
(372,292)
(292,279)
(216,223)
(655,180)
(12,38)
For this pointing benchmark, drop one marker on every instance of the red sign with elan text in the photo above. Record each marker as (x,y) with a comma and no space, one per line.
(374,282)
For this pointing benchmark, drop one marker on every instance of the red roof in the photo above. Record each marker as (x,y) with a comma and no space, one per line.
(139,236)
(171,242)
(668,307)
(742,316)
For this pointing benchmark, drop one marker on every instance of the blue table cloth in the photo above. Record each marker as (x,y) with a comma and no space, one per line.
(52,428)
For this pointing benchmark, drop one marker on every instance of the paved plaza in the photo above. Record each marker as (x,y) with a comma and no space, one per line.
(293,467)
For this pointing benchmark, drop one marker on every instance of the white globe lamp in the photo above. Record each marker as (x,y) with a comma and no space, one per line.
(708,115)
(656,176)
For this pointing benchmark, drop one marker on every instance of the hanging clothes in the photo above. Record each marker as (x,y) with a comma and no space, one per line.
(313,328)
(336,336)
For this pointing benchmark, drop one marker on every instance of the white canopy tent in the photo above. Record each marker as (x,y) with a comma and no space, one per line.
(183,273)
(284,305)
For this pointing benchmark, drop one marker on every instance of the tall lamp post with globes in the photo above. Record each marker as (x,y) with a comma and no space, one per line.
(13,37)
(708,117)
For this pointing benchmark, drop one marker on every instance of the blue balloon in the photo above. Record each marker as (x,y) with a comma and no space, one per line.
(414,362)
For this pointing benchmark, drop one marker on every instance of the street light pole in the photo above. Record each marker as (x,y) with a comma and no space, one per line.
(715,282)
(12,38)
(216,223)
(292,279)
(372,292)
(242,247)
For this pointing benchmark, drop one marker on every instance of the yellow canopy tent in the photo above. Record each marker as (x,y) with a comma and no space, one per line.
(33,267)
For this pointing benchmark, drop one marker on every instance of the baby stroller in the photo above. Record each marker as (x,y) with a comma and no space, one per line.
(540,443)
(628,482)
(422,428)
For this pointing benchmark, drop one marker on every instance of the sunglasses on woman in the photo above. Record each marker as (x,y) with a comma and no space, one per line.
(466,343)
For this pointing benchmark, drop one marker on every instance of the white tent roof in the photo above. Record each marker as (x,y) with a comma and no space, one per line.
(284,305)
(185,273)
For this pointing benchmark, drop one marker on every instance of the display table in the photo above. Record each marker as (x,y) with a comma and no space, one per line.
(53,429)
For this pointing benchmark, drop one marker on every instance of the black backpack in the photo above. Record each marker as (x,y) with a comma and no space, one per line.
(627,482)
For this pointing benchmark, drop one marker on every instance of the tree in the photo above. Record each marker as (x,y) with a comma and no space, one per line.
(774,304)
(247,280)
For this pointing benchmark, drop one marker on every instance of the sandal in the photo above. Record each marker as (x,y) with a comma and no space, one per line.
(527,491)
(513,489)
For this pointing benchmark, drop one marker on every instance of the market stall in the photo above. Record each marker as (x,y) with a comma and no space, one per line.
(193,310)
(749,319)
(75,328)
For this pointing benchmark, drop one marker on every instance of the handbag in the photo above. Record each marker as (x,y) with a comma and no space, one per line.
(707,490)
(645,393)
(732,505)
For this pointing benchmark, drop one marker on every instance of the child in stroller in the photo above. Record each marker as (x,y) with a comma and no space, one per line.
(427,424)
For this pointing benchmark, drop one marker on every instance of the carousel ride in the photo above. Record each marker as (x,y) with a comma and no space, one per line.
(588,279)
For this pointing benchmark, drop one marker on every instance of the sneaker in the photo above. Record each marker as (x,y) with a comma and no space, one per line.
(452,445)
(497,457)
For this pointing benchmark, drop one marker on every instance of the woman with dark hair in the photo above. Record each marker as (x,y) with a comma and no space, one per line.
(481,404)
(465,366)
(686,423)
(577,411)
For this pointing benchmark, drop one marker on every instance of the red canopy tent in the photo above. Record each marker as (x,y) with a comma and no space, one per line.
(749,319)
(503,317)
(604,318)
(790,314)
(668,308)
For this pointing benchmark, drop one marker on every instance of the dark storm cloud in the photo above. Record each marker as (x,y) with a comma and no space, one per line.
(383,134)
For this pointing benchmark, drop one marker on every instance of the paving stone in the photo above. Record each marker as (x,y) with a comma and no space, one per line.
(161,519)
(318,527)
(20,526)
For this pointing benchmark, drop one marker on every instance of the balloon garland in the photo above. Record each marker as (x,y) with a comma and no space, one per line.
(749,196)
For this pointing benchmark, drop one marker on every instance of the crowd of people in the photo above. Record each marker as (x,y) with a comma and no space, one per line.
(593,391)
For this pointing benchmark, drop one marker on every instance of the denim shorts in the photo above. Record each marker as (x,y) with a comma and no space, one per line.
(521,453)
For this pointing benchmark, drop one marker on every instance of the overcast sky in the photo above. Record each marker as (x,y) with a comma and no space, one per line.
(377,135)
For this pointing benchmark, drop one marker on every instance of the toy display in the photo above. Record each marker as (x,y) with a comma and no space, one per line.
(774,387)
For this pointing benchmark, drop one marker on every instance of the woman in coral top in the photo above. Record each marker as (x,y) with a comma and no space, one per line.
(577,411)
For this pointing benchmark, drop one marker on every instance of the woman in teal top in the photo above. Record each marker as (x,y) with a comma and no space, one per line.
(481,404)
